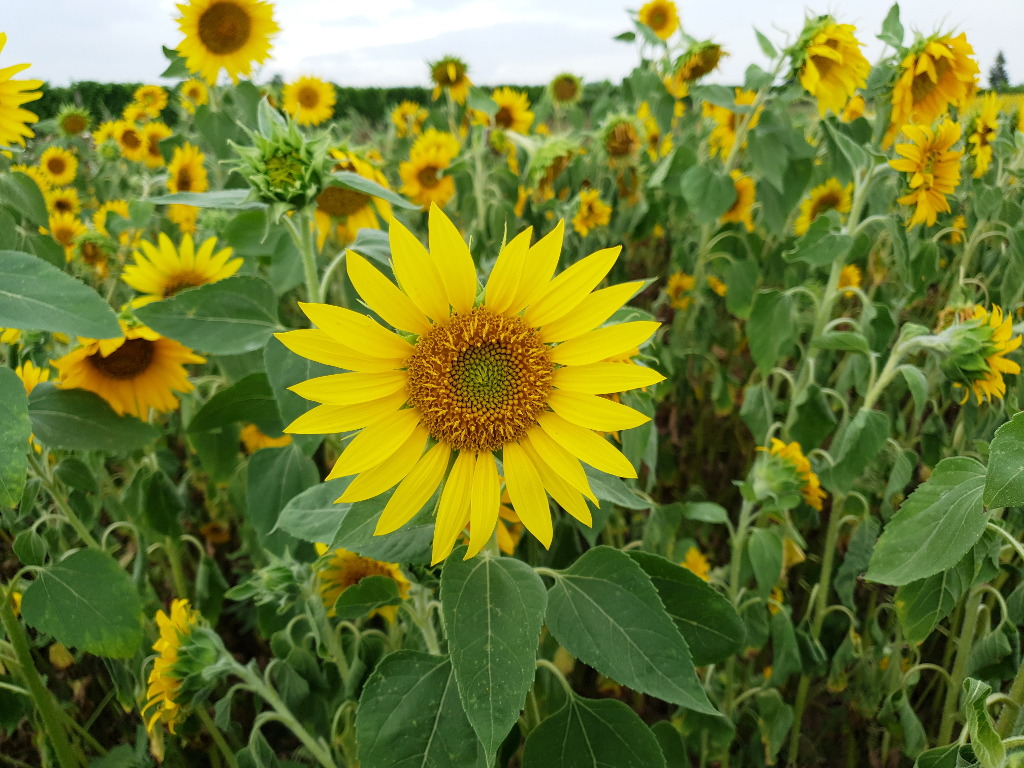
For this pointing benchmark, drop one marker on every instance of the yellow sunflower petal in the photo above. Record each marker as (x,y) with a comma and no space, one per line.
(453,259)
(526,491)
(507,271)
(570,288)
(414,491)
(591,312)
(587,445)
(603,343)
(538,266)
(384,297)
(485,500)
(345,325)
(417,274)
(453,507)
(328,419)
(567,497)
(605,378)
(565,464)
(350,388)
(386,475)
(594,412)
(376,443)
(321,347)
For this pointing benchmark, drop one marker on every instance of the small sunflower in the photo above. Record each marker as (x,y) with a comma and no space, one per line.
(133,373)
(513,110)
(982,371)
(718,286)
(162,696)
(512,376)
(64,228)
(830,196)
(937,72)
(58,166)
(680,284)
(408,118)
(130,140)
(345,569)
(152,134)
(347,209)
(701,58)
(934,168)
(73,120)
(14,119)
(695,562)
(186,173)
(105,131)
(10,335)
(160,272)
(425,182)
(723,135)
(661,17)
(95,250)
(309,100)
(792,455)
(832,68)
(254,439)
(118,208)
(850,276)
(742,210)
(63,200)
(232,35)
(593,212)
(985,129)
(31,375)
(854,108)
(450,75)
(566,89)
(193,93)
(151,99)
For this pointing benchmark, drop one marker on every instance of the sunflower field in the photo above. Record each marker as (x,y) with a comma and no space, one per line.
(651,425)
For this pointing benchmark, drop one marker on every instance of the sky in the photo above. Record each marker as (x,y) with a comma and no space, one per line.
(387,42)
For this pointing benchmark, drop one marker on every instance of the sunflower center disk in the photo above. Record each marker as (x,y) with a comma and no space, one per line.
(480,381)
(224,28)
(427,177)
(127,361)
(339,202)
(309,97)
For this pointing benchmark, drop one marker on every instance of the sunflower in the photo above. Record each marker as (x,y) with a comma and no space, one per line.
(119,208)
(791,454)
(63,200)
(165,679)
(723,135)
(309,100)
(854,108)
(9,335)
(661,17)
(133,373)
(151,98)
(695,562)
(850,276)
(958,227)
(657,145)
(701,58)
(130,140)
(64,228)
(985,129)
(32,171)
(679,286)
(225,34)
(58,166)
(254,439)
(95,249)
(450,75)
(14,119)
(566,89)
(345,569)
(105,131)
(742,210)
(348,209)
(423,174)
(31,377)
(514,376)
(830,196)
(718,286)
(193,93)
(996,341)
(152,134)
(593,212)
(160,272)
(621,140)
(186,173)
(934,168)
(408,118)
(73,120)
(513,110)
(833,67)
(936,73)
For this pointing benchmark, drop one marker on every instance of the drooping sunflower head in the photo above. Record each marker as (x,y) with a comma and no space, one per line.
(783,470)
(830,196)
(701,58)
(14,118)
(134,373)
(977,356)
(344,569)
(309,100)
(937,72)
(514,373)
(408,118)
(621,140)
(742,210)
(830,64)
(592,213)
(232,35)
(94,249)
(160,272)
(73,120)
(566,89)
(986,127)
(58,166)
(63,200)
(151,99)
(934,168)
(661,17)
(450,74)
(193,93)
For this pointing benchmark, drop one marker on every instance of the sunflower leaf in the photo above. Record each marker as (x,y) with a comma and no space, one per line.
(353,181)
(368,594)
(75,419)
(19,193)
(1004,482)
(14,432)
(232,199)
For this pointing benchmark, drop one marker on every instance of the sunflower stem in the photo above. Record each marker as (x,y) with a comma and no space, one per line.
(963,648)
(173,551)
(50,484)
(317,613)
(300,233)
(217,736)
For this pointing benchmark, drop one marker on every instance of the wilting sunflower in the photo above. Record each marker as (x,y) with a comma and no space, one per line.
(130,140)
(723,135)
(939,71)
(565,89)
(408,118)
(423,173)
(700,59)
(742,210)
(680,284)
(309,100)
(152,134)
(934,168)
(347,209)
(151,98)
(985,129)
(59,166)
(832,67)
(450,75)
(695,562)
(981,369)
(791,454)
(515,376)
(160,272)
(14,119)
(165,678)
(621,140)
(73,120)
(830,196)
(193,93)
(661,17)
(345,569)
(133,373)
(593,212)
(232,35)
(63,200)
(64,228)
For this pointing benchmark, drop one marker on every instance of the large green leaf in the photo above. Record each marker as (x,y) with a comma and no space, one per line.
(228,317)
(233,199)
(922,604)
(1004,485)
(493,609)
(709,192)
(79,420)
(855,447)
(37,296)
(770,329)
(706,619)
(86,601)
(607,613)
(820,245)
(286,369)
(589,733)
(275,477)
(248,400)
(366,595)
(21,194)
(934,527)
(410,716)
(350,180)
(14,431)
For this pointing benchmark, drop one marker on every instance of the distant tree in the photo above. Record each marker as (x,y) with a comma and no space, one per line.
(998,79)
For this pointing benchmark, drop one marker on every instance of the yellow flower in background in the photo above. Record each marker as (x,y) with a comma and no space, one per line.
(232,35)
(309,100)
(661,17)
(254,439)
(32,171)
(986,381)
(151,98)
(134,113)
(105,131)
(791,454)
(592,213)
(450,74)
(14,94)
(566,89)
(95,249)
(160,272)
(515,377)
(680,284)
(695,562)
(31,375)
(345,569)
(513,110)
(833,66)
(130,140)
(63,200)
(193,93)
(349,210)
(937,72)
(58,166)
(186,173)
(10,335)
(850,276)
(162,703)
(718,286)
(723,135)
(64,228)
(959,226)
(701,58)
(408,118)
(621,140)
(118,208)
(830,196)
(742,210)
(934,168)
(854,108)
(152,134)
(423,174)
(657,146)
(985,129)
(133,373)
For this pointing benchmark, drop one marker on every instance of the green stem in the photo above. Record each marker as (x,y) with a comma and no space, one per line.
(419,611)
(173,552)
(217,736)
(334,647)
(299,231)
(1009,714)
(50,484)
(963,649)
(46,706)
(735,565)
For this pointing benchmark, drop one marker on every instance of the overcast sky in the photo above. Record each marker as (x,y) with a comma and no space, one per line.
(386,42)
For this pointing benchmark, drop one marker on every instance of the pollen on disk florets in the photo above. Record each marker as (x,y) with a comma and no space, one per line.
(480,380)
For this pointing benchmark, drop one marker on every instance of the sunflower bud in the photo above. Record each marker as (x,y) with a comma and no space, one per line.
(974,353)
(73,120)
(782,473)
